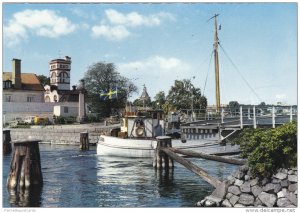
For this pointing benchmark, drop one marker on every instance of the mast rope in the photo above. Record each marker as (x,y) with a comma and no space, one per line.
(238,71)
(207,72)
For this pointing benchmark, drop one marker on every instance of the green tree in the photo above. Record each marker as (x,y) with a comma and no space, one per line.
(267,150)
(184,95)
(44,79)
(103,76)
(234,107)
(159,100)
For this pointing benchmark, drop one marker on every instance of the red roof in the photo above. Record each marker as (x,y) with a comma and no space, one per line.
(29,81)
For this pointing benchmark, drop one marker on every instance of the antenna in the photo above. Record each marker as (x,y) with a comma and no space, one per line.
(213,17)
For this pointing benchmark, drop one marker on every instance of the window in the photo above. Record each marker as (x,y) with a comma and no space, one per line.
(8,98)
(66,109)
(30,98)
(6,84)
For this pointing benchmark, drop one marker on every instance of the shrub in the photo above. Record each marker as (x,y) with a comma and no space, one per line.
(268,150)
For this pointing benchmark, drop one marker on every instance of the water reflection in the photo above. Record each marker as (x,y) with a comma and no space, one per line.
(30,197)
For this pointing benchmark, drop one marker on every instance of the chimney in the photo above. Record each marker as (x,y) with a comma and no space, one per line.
(16,73)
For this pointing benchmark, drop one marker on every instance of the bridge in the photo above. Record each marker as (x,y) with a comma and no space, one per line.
(221,125)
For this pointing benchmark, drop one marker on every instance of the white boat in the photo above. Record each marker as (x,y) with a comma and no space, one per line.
(136,138)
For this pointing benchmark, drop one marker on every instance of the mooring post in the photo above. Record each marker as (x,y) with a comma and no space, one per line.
(241,117)
(84,141)
(6,142)
(25,166)
(254,117)
(161,159)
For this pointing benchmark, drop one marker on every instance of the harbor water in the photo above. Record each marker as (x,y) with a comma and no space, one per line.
(75,178)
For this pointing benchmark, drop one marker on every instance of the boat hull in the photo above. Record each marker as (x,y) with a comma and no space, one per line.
(145,148)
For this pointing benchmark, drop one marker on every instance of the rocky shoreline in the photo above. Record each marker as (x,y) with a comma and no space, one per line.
(242,190)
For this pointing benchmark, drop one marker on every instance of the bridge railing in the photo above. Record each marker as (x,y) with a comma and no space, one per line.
(244,115)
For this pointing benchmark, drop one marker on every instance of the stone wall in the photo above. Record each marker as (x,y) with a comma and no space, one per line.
(242,190)
(62,136)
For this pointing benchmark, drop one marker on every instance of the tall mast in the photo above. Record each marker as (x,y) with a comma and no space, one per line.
(218,102)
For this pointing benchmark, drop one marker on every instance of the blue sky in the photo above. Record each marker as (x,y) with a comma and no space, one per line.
(154,44)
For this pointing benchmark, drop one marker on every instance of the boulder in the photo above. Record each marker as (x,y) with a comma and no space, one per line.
(226,203)
(293,198)
(229,195)
(272,188)
(214,199)
(268,199)
(293,187)
(282,193)
(293,178)
(246,187)
(284,183)
(246,199)
(281,175)
(234,199)
(238,182)
(264,181)
(283,202)
(239,206)
(209,203)
(247,177)
(254,182)
(256,190)
(234,190)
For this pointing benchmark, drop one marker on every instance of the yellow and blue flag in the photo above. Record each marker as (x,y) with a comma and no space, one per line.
(111,94)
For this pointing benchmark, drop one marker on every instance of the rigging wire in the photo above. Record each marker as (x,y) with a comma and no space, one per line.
(207,72)
(257,96)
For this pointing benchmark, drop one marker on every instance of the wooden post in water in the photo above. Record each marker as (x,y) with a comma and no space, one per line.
(162,160)
(84,141)
(6,142)
(25,166)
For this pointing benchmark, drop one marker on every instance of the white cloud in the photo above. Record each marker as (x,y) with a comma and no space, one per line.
(46,23)
(116,23)
(111,33)
(156,72)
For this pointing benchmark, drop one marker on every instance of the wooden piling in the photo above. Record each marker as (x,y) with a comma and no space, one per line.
(6,142)
(84,141)
(25,166)
(161,159)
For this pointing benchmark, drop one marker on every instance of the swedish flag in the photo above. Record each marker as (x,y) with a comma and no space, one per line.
(111,94)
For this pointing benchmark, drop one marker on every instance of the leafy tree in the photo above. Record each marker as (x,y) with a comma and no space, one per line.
(44,79)
(183,94)
(268,150)
(234,107)
(103,76)
(159,100)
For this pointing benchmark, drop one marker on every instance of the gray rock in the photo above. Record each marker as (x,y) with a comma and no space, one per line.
(239,206)
(268,199)
(238,174)
(293,178)
(275,180)
(264,181)
(221,190)
(226,203)
(272,188)
(247,177)
(296,192)
(214,199)
(293,198)
(234,190)
(209,203)
(229,195)
(246,199)
(291,172)
(238,182)
(198,204)
(281,176)
(284,183)
(283,202)
(257,202)
(293,187)
(254,182)
(282,193)
(244,168)
(256,190)
(234,199)
(246,187)
(230,179)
